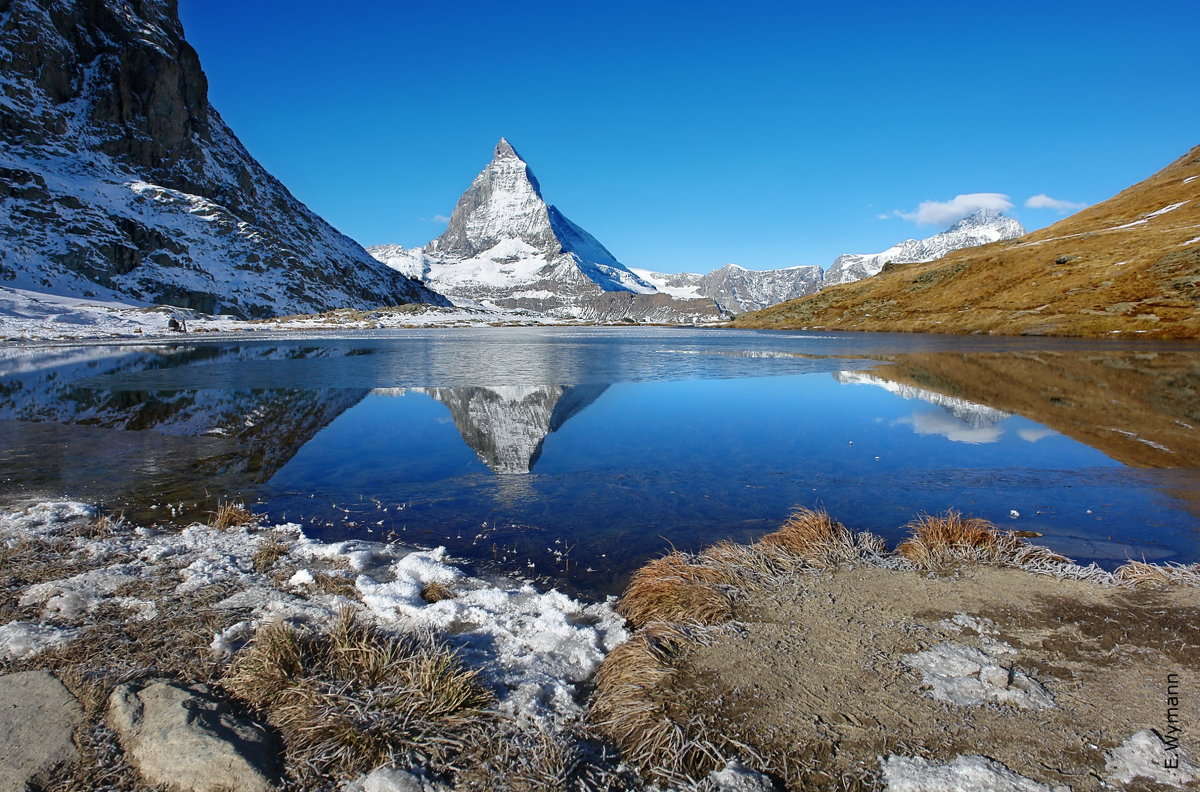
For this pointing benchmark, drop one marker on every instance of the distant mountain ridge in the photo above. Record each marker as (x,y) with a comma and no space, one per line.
(741,290)
(1130,264)
(981,228)
(119,181)
(505,246)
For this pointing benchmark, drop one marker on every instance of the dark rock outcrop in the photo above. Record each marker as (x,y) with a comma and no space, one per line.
(119,180)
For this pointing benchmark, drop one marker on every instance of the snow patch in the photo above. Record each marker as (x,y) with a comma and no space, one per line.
(962,774)
(21,639)
(967,676)
(1165,209)
(1145,755)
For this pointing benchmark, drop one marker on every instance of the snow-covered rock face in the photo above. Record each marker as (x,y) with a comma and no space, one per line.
(505,246)
(738,289)
(981,228)
(119,181)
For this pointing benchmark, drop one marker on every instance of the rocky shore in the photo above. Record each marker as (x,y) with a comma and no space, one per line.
(236,655)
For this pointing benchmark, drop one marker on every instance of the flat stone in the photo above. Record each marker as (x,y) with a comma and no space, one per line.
(184,737)
(38,717)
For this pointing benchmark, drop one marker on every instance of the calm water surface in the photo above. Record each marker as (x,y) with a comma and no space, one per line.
(574,454)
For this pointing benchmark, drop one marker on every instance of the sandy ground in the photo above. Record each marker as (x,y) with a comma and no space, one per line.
(821,668)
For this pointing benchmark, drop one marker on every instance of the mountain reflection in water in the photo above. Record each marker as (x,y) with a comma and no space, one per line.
(577,454)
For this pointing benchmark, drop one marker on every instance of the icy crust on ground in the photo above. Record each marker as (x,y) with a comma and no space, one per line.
(966,676)
(1146,755)
(962,774)
(534,648)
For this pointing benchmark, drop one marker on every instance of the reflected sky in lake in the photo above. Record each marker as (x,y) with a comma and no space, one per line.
(573,455)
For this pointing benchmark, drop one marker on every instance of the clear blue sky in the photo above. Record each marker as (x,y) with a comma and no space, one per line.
(685,135)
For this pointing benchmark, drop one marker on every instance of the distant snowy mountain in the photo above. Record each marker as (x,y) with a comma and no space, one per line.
(986,225)
(119,181)
(738,289)
(505,246)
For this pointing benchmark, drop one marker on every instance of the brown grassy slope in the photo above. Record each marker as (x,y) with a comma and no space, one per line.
(1108,268)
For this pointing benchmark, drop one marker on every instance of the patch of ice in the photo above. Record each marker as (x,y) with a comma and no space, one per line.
(302,578)
(1189,242)
(72,598)
(962,774)
(389,779)
(736,777)
(967,676)
(44,519)
(534,647)
(1146,755)
(1190,179)
(21,639)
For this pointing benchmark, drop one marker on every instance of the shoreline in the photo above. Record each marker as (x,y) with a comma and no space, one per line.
(721,650)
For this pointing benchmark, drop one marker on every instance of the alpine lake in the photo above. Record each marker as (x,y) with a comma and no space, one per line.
(569,456)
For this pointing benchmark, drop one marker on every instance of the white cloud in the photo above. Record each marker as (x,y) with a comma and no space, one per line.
(942,213)
(951,428)
(441,218)
(1032,435)
(1043,201)
(883,216)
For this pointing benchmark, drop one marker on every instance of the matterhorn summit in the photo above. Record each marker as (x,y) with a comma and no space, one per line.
(506,247)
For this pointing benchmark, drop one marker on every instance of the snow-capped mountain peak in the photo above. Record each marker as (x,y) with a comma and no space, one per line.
(980,228)
(506,246)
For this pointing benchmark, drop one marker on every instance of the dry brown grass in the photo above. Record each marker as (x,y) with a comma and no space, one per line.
(1139,574)
(354,698)
(674,588)
(269,551)
(231,515)
(940,541)
(820,540)
(436,592)
(636,708)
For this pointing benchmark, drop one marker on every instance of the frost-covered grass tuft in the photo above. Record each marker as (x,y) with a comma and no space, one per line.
(435,591)
(676,588)
(940,541)
(231,515)
(821,541)
(352,698)
(1140,573)
(635,708)
(269,551)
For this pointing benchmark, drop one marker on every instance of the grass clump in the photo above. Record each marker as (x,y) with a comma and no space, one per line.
(353,698)
(939,541)
(231,515)
(675,588)
(433,592)
(269,551)
(819,540)
(637,708)
(1139,573)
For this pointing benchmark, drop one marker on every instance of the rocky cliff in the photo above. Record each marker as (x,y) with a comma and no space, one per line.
(118,179)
